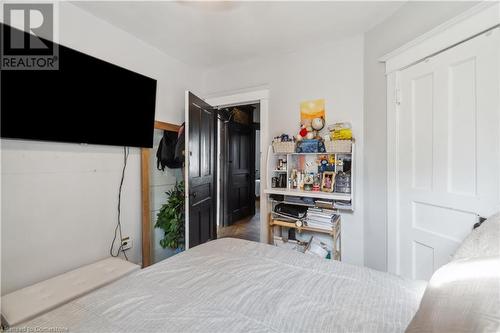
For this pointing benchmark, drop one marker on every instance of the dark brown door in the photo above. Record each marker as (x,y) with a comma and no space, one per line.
(201,171)
(241,197)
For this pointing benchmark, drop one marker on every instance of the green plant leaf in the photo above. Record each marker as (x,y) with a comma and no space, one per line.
(170,218)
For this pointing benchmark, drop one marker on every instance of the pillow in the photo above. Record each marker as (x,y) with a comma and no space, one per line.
(484,241)
(462,296)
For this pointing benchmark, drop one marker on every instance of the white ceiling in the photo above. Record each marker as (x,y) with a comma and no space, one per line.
(215,33)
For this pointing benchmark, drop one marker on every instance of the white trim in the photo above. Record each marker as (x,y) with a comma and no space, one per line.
(392,175)
(238,98)
(259,96)
(479,18)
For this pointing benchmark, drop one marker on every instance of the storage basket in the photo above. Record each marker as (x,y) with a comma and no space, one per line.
(286,147)
(310,146)
(338,146)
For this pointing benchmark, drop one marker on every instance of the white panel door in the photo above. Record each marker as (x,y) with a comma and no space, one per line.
(448,156)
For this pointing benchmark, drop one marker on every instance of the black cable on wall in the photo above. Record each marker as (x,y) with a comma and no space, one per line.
(118,228)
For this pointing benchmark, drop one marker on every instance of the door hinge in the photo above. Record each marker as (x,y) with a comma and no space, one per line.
(397,96)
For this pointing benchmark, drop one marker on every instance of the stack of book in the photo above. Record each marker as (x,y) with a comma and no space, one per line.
(321,218)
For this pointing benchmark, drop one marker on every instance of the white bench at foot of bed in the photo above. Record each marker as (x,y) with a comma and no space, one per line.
(39,298)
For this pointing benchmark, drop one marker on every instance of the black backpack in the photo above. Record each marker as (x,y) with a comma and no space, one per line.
(165,155)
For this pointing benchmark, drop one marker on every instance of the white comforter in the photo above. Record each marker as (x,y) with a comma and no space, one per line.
(232,285)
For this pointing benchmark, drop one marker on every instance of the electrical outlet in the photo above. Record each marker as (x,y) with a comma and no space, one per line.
(127,243)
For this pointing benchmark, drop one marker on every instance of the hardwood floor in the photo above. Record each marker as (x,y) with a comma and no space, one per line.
(247,228)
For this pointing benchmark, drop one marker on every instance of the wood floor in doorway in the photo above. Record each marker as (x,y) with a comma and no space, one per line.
(247,228)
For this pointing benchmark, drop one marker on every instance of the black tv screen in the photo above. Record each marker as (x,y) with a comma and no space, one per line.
(86,100)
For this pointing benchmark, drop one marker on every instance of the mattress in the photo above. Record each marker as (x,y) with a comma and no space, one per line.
(233,285)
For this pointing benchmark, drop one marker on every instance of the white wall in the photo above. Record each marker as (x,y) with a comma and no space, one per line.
(59,200)
(332,71)
(410,21)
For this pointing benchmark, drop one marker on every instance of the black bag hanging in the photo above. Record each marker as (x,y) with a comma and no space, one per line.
(165,155)
(179,146)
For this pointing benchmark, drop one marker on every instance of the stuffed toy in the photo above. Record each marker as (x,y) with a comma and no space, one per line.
(306,132)
(317,124)
(302,133)
(311,129)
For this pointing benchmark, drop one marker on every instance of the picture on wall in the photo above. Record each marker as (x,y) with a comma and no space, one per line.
(310,110)
(328,183)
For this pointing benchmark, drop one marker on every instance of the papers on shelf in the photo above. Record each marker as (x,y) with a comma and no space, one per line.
(317,248)
(299,200)
(328,204)
(340,204)
(290,244)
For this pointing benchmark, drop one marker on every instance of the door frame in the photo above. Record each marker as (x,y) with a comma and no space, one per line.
(260,96)
(477,20)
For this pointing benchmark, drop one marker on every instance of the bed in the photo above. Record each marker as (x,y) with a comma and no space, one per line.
(233,285)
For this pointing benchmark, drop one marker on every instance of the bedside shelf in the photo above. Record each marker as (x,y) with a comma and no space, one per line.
(292,160)
(309,194)
(307,163)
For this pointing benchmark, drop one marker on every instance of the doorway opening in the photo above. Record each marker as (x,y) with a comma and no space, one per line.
(220,183)
(239,173)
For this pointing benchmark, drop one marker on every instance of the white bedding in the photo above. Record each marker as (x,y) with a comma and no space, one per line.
(232,285)
(462,296)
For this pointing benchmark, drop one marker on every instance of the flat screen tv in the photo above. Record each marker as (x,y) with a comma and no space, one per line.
(86,100)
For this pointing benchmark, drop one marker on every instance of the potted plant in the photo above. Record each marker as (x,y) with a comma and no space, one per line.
(170,218)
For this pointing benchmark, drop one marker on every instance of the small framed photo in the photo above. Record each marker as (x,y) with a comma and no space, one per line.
(328,182)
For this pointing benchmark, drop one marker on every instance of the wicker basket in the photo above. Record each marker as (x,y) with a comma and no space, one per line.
(287,147)
(338,146)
